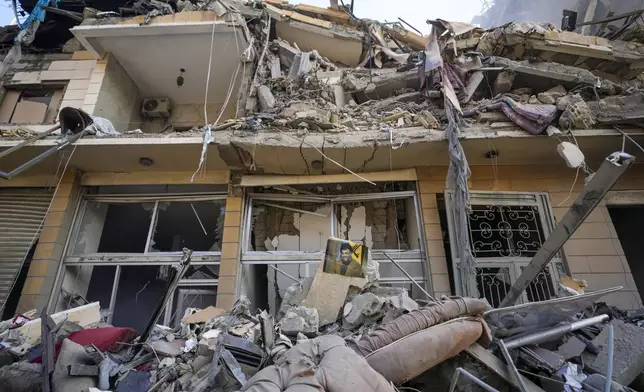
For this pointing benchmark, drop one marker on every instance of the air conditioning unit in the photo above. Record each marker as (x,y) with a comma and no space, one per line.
(156,108)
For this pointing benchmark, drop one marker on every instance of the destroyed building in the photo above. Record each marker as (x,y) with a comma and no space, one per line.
(252,131)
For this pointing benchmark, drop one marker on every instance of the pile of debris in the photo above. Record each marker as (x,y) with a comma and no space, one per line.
(522,75)
(332,333)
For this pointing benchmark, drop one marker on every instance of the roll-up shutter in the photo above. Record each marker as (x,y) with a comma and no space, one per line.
(22,211)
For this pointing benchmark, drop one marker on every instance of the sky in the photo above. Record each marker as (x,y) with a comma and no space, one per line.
(415,12)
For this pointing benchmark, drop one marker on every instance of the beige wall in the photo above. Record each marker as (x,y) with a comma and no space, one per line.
(593,253)
(115,96)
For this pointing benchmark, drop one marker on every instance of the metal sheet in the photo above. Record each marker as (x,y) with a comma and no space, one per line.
(22,212)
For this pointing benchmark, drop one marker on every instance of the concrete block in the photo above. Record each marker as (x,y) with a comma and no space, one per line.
(572,348)
(361,309)
(266,98)
(65,65)
(300,319)
(79,84)
(328,293)
(628,359)
(503,82)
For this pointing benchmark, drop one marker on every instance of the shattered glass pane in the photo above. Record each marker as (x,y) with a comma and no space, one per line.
(139,291)
(113,228)
(86,284)
(193,225)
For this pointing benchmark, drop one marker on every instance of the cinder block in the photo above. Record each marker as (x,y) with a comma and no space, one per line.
(43,268)
(26,303)
(33,285)
(578,264)
(440,282)
(431,186)
(90,99)
(231,234)
(592,230)
(603,280)
(435,248)
(225,300)
(428,200)
(228,267)
(600,264)
(227,284)
(230,250)
(70,65)
(431,216)
(53,234)
(93,88)
(232,218)
(49,250)
(233,204)
(79,84)
(433,231)
(438,265)
(73,95)
(584,247)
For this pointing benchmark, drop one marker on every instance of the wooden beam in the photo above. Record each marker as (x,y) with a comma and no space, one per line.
(268,180)
(153,178)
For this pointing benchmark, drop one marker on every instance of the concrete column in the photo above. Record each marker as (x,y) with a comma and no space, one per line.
(230,253)
(49,251)
(428,187)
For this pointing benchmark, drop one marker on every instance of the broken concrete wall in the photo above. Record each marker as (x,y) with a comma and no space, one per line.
(285,230)
(118,98)
(594,252)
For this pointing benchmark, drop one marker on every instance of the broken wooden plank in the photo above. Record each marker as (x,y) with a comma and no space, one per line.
(335,16)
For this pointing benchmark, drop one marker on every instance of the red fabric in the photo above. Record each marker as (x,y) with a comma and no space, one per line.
(105,339)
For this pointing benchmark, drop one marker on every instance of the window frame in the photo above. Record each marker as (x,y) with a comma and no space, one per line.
(54,106)
(275,258)
(514,263)
(120,260)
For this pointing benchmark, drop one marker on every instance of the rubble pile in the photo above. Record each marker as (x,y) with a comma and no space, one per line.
(332,332)
(527,75)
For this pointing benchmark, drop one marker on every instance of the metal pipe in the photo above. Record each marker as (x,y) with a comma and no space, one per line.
(460,371)
(284,273)
(609,172)
(544,336)
(513,369)
(409,277)
(410,26)
(28,141)
(609,364)
(183,267)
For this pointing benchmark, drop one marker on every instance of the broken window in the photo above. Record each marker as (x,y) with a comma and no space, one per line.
(126,226)
(31,106)
(505,231)
(380,224)
(290,230)
(289,226)
(123,248)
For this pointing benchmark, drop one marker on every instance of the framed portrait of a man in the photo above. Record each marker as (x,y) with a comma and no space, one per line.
(344,257)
